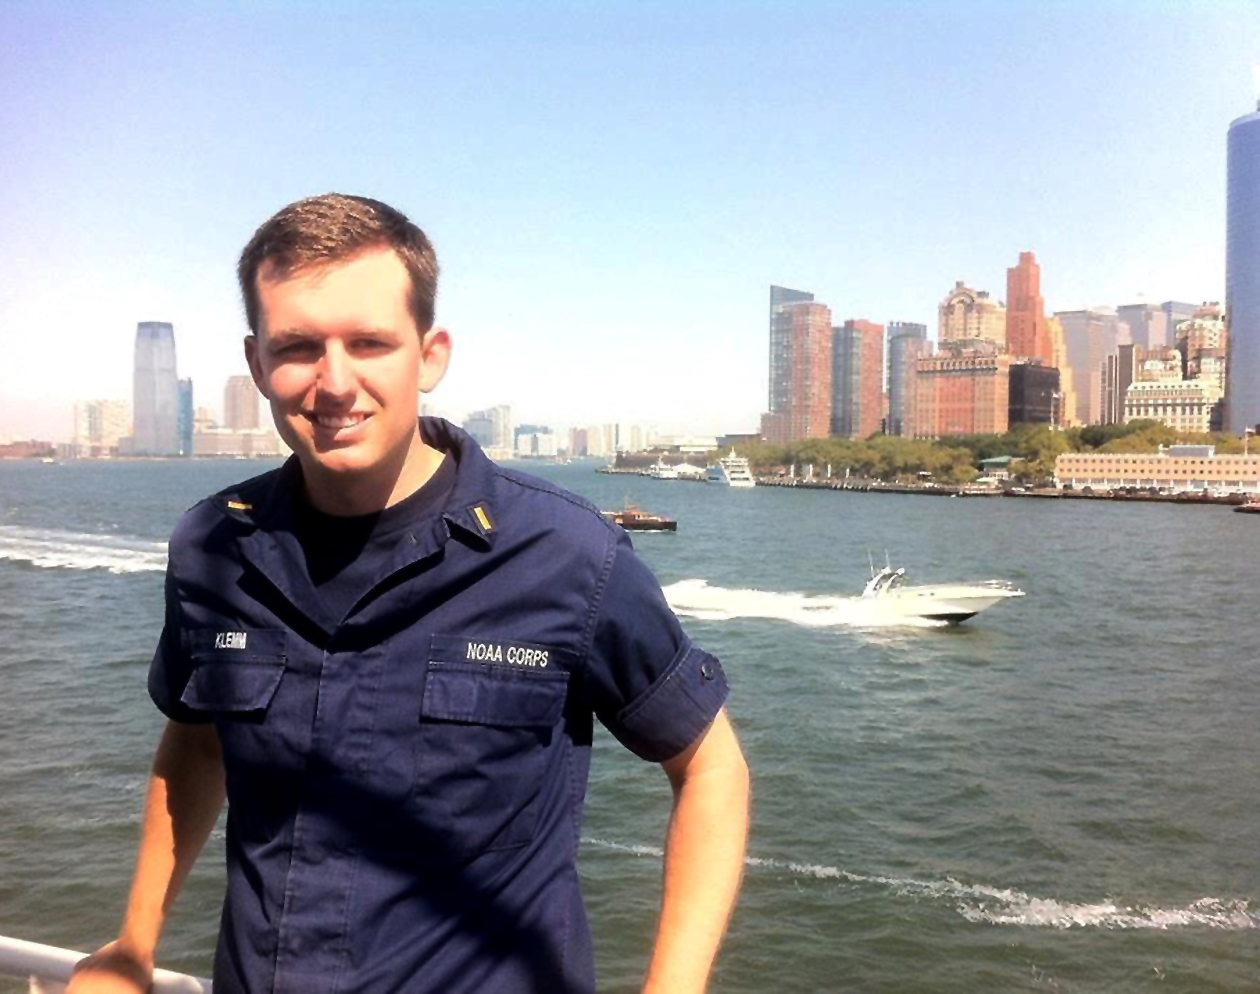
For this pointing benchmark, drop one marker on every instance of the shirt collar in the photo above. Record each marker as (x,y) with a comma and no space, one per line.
(470,508)
(268,502)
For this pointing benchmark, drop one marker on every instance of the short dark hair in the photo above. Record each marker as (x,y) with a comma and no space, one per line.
(333,227)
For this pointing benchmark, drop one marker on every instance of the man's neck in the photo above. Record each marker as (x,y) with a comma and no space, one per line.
(355,494)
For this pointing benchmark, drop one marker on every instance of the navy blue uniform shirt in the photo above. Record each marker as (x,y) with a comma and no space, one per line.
(405,783)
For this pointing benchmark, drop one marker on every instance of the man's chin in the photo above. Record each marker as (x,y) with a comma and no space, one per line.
(331,458)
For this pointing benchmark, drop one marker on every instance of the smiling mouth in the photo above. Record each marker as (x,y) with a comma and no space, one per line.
(337,422)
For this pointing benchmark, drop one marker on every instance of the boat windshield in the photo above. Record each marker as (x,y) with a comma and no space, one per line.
(883,581)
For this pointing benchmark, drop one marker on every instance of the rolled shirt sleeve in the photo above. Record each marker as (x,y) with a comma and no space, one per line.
(171,668)
(650,685)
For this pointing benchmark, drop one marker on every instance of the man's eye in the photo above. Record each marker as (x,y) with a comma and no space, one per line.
(296,350)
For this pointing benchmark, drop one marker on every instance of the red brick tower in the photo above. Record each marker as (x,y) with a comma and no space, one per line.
(1026,333)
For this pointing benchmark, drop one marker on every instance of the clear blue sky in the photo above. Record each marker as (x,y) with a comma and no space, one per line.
(611,187)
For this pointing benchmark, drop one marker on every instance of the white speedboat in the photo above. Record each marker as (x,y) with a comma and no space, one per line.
(952,602)
(732,471)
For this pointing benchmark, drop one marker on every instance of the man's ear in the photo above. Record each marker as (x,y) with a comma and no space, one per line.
(435,356)
(255,364)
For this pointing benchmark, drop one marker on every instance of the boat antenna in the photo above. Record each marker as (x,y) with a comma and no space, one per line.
(870,559)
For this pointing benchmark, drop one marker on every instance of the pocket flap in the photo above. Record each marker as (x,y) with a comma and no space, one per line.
(493,695)
(234,670)
(243,686)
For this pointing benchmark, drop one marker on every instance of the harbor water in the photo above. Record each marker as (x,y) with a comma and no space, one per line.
(1059,795)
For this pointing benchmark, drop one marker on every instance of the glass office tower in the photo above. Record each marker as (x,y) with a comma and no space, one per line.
(155,402)
(1242,275)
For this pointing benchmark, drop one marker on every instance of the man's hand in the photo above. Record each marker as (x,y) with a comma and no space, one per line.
(704,859)
(186,791)
(112,969)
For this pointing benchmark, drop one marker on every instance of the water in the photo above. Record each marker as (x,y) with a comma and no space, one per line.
(1058,796)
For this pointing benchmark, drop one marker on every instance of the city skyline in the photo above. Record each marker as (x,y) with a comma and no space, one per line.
(595,199)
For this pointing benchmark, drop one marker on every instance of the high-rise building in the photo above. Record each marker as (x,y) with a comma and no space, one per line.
(1175,311)
(857,379)
(1148,324)
(155,400)
(1034,394)
(1089,338)
(1119,371)
(535,440)
(601,440)
(631,437)
(800,368)
(907,343)
(1059,360)
(781,296)
(240,403)
(966,315)
(962,391)
(99,427)
(1027,336)
(186,418)
(492,428)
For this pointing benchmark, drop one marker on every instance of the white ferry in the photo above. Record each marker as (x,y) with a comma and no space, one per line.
(660,471)
(732,471)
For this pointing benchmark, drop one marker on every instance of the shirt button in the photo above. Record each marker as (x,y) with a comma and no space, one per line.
(707,671)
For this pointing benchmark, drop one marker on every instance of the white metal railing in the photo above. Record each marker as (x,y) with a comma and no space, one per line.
(49,969)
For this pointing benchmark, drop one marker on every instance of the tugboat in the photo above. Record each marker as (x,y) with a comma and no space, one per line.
(633,520)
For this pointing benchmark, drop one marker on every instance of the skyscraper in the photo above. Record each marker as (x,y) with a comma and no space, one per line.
(100,426)
(185,417)
(155,401)
(907,343)
(240,403)
(1175,311)
(857,379)
(1090,337)
(780,297)
(1058,359)
(1242,275)
(800,368)
(492,428)
(1148,324)
(1119,371)
(1026,334)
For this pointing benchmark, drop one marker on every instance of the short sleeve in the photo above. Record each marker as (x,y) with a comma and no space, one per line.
(171,667)
(649,685)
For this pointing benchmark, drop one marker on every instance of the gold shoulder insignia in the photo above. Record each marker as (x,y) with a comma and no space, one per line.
(482,517)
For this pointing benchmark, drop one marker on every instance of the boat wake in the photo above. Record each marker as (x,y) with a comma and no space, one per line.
(1007,906)
(52,549)
(696,599)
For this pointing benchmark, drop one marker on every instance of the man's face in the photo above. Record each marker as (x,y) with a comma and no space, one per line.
(340,359)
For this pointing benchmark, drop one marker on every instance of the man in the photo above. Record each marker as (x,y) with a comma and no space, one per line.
(387,655)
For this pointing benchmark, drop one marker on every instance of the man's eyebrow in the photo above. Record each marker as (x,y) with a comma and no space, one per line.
(285,335)
(300,333)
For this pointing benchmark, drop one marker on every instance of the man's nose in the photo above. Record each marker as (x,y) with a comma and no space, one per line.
(336,372)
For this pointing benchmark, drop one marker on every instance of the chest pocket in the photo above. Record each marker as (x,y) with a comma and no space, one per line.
(235,676)
(486,735)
